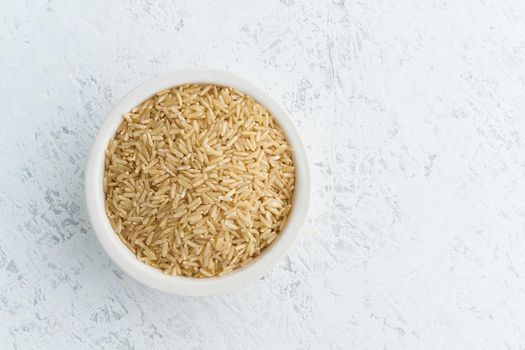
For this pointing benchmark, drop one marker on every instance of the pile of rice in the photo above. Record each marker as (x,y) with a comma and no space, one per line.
(198,180)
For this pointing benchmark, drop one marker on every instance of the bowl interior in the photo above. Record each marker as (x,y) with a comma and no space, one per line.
(151,276)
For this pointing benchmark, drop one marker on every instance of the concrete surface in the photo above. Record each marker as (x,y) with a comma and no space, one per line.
(413,114)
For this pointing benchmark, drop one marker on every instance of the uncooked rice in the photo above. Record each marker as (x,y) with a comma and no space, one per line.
(198,180)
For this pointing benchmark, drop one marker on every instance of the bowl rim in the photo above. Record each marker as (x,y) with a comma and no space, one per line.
(153,277)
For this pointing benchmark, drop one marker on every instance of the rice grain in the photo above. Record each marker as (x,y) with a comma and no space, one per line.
(198,180)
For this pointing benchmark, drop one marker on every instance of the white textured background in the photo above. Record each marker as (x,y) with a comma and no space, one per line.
(413,115)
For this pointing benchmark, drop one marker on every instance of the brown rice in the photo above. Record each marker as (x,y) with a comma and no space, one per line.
(198,180)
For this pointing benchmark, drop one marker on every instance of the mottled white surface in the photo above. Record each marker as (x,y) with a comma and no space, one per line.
(413,115)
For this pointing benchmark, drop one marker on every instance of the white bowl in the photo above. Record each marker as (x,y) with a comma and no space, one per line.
(151,276)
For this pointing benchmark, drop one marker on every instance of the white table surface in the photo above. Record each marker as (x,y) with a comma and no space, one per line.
(413,115)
